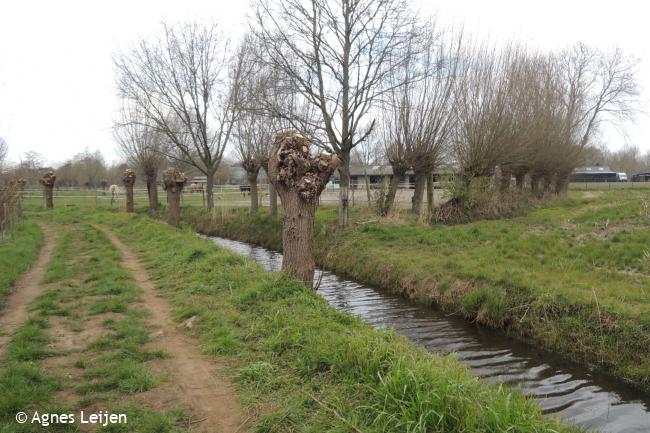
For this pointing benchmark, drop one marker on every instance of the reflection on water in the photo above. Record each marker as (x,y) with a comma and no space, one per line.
(568,391)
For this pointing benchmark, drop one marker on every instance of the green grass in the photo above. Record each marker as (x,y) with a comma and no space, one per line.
(297,359)
(86,280)
(17,252)
(573,276)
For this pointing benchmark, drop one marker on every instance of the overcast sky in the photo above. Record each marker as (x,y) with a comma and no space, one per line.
(57,94)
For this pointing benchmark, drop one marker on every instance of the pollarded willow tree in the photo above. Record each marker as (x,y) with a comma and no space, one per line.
(173,181)
(597,87)
(421,114)
(533,115)
(484,121)
(395,153)
(337,56)
(142,145)
(187,85)
(256,127)
(48,181)
(253,140)
(128,179)
(299,178)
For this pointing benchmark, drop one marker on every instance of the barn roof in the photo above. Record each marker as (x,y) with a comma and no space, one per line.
(384,170)
(593,169)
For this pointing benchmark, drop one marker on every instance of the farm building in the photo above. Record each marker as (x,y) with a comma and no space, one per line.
(642,176)
(199,180)
(594,173)
(379,174)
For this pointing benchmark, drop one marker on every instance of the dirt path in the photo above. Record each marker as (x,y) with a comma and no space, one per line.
(196,381)
(26,289)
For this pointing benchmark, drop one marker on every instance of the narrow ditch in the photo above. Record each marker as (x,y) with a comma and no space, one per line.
(575,394)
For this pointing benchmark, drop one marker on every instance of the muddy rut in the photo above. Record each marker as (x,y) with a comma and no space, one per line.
(196,382)
(26,288)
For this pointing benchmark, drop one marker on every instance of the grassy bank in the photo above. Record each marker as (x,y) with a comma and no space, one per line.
(18,250)
(302,366)
(573,277)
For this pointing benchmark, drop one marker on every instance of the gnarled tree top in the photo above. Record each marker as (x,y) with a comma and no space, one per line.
(128,177)
(48,179)
(174,179)
(291,166)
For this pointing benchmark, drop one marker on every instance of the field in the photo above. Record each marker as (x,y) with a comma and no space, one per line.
(101,199)
(254,351)
(573,276)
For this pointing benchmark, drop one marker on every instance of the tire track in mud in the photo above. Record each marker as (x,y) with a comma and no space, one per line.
(195,380)
(26,288)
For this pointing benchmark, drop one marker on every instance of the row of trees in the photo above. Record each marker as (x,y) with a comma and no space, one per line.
(316,66)
(349,73)
(529,114)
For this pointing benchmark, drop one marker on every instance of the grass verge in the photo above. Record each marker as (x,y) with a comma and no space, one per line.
(572,277)
(303,366)
(18,251)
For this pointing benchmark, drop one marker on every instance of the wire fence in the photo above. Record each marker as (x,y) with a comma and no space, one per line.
(100,198)
(239,195)
(223,195)
(585,186)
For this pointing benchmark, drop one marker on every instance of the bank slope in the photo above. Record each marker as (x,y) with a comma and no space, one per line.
(302,366)
(572,277)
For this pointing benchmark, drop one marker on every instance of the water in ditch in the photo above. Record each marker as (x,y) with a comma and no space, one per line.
(575,394)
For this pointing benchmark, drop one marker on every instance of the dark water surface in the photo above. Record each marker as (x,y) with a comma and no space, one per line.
(575,394)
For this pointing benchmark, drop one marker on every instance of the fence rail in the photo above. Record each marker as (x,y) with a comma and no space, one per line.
(608,185)
(236,195)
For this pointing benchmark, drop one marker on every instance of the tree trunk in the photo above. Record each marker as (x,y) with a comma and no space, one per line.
(504,181)
(173,182)
(174,200)
(49,197)
(534,184)
(561,184)
(152,191)
(273,200)
(392,191)
(344,188)
(129,197)
(298,237)
(368,196)
(252,183)
(430,194)
(209,187)
(519,180)
(48,188)
(299,180)
(128,178)
(418,193)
